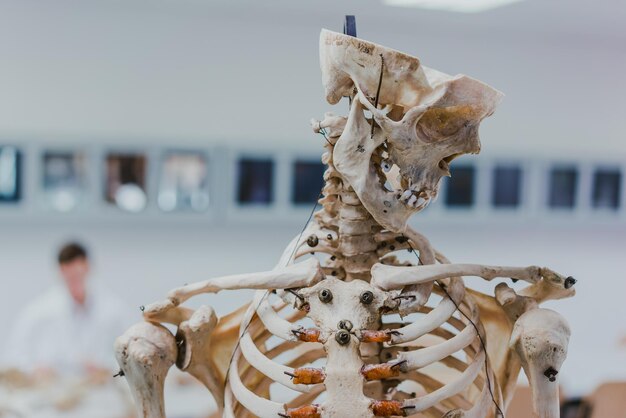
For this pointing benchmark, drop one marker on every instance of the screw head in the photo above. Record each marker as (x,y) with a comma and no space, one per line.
(342,337)
(312,241)
(551,373)
(325,295)
(367,297)
(345,324)
(569,282)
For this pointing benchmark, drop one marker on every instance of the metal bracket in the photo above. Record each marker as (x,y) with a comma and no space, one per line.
(349,26)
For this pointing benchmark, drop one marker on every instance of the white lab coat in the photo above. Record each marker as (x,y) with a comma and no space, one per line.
(53,331)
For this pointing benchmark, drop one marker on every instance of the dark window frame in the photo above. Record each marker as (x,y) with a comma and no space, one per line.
(507,202)
(607,172)
(453,199)
(300,200)
(243,197)
(570,199)
(18,194)
(206,186)
(83,179)
(144,185)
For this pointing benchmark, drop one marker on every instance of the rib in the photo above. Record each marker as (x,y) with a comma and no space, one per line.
(451,389)
(271,320)
(420,358)
(275,371)
(435,318)
(261,407)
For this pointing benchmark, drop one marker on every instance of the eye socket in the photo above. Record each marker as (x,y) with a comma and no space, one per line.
(386,166)
(325,295)
(367,297)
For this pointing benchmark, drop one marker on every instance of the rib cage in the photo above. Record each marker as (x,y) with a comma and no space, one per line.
(425,380)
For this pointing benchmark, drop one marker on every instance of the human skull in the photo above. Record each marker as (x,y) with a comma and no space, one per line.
(419,121)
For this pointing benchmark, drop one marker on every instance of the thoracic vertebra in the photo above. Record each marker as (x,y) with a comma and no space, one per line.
(340,305)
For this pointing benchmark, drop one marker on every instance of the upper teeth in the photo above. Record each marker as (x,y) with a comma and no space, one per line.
(413,198)
(406,195)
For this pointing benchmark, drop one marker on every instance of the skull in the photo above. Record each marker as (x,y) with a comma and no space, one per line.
(406,124)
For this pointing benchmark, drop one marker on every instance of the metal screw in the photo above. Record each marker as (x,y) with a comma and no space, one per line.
(345,324)
(569,282)
(551,373)
(367,297)
(312,241)
(325,295)
(342,337)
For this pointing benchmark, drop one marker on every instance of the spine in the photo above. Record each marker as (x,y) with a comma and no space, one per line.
(355,249)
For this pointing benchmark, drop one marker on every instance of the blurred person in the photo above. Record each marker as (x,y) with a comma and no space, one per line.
(70,329)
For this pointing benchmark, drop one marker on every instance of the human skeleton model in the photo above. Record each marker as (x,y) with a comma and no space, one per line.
(325,324)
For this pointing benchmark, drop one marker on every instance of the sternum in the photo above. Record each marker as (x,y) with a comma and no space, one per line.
(344,383)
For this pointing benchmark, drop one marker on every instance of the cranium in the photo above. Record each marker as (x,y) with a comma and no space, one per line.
(422,119)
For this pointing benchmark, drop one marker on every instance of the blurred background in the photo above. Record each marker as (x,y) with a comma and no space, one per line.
(172,139)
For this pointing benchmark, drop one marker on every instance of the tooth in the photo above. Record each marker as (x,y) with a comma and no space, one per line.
(421,201)
(406,195)
(412,200)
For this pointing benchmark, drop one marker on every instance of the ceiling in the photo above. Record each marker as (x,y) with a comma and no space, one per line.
(592,21)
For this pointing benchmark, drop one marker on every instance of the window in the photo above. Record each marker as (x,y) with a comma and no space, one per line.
(460,187)
(506,187)
(10,174)
(308,181)
(183,182)
(256,178)
(64,179)
(563,184)
(606,189)
(126,181)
